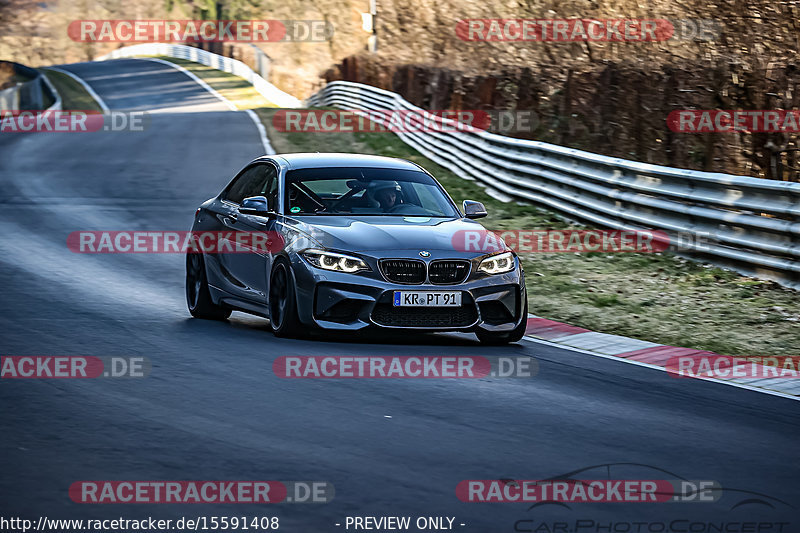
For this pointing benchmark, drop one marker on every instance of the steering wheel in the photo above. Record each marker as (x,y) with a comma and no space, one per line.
(338,203)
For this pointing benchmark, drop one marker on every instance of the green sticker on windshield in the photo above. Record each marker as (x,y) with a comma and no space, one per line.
(295,210)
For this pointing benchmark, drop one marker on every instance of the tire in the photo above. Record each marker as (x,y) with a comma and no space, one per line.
(198,298)
(282,302)
(505,337)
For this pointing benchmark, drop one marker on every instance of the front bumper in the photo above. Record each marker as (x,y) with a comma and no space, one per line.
(341,301)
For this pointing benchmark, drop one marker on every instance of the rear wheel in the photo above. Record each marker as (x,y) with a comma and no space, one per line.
(198,298)
(505,337)
(283,302)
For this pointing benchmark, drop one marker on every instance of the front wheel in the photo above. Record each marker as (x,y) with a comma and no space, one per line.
(198,298)
(505,337)
(283,317)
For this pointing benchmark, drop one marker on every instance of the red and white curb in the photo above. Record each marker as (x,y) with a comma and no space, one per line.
(642,353)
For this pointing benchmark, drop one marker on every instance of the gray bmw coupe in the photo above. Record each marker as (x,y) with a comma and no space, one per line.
(353,241)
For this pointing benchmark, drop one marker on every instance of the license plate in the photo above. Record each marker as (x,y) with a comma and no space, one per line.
(426,299)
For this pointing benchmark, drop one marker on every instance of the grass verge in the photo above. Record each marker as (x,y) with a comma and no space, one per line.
(238,90)
(657,297)
(73,95)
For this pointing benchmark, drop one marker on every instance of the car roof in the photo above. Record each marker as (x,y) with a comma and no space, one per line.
(317,160)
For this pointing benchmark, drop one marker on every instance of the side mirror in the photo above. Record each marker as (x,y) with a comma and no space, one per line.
(255,205)
(474,209)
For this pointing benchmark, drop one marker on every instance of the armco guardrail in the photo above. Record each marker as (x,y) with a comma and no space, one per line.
(749,224)
(37,93)
(226,64)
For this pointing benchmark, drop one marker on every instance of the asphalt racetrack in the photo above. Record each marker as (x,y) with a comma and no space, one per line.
(212,408)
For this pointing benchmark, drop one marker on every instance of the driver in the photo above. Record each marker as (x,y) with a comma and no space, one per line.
(384,194)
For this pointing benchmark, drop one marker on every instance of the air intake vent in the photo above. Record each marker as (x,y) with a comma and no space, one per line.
(424,317)
(448,272)
(406,271)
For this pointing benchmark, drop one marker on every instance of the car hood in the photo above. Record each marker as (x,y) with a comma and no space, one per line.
(377,233)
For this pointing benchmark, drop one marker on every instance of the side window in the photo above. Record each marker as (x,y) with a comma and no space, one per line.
(249,183)
(270,188)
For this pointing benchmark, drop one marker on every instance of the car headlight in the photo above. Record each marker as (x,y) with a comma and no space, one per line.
(497,264)
(333,261)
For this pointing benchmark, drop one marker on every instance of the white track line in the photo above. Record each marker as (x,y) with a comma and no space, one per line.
(268,149)
(656,367)
(86,86)
(57,105)
(262,132)
(197,80)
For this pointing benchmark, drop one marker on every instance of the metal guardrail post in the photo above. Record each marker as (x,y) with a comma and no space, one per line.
(34,94)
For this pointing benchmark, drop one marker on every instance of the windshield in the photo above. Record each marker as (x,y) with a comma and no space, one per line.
(365,191)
